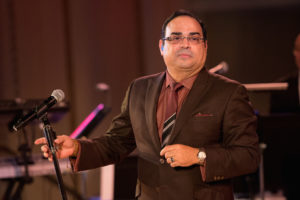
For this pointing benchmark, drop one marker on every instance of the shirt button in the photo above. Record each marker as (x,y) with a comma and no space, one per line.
(162,161)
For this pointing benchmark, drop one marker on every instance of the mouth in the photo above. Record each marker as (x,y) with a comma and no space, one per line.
(184,55)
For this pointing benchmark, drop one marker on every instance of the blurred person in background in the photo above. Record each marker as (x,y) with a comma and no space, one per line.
(288,101)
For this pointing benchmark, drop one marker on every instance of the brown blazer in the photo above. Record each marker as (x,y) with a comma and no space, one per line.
(216,115)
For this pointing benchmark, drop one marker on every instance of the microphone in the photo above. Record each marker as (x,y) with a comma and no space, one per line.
(56,96)
(221,68)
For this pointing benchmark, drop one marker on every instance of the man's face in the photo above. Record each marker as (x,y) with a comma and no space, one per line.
(297,51)
(184,56)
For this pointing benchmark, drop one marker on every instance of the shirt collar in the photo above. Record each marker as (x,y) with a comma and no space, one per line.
(187,83)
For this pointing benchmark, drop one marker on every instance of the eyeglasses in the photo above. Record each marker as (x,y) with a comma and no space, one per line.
(176,39)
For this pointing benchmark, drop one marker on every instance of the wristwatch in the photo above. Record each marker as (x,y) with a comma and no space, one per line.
(201,156)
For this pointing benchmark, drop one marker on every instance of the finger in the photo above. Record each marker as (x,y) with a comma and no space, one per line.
(164,150)
(168,148)
(46,155)
(59,140)
(40,141)
(169,160)
(174,164)
(44,148)
(169,154)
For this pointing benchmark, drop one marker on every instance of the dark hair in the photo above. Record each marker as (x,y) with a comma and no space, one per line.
(182,13)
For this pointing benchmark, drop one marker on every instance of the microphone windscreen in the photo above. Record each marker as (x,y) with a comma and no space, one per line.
(225,67)
(58,94)
(102,86)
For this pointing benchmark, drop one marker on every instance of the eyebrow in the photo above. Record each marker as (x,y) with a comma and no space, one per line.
(194,33)
(180,33)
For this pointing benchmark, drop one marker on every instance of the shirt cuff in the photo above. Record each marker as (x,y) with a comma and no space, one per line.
(202,169)
(75,160)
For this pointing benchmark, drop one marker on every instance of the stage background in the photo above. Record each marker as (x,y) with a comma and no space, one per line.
(73,45)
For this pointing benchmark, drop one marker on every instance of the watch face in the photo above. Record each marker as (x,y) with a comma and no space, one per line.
(201,155)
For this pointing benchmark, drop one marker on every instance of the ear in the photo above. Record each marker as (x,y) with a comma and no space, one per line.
(161,47)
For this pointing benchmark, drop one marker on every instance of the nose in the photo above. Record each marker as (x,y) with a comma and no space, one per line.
(185,42)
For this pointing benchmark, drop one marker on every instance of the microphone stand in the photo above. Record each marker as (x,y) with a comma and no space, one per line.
(50,135)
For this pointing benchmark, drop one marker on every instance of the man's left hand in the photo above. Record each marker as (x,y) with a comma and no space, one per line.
(178,155)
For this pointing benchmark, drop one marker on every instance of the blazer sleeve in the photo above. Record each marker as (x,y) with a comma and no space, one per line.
(110,148)
(238,152)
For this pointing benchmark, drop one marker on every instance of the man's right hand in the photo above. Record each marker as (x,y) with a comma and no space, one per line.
(65,147)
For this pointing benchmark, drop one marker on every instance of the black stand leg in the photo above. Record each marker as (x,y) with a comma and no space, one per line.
(25,160)
(17,195)
(262,147)
(9,189)
(50,136)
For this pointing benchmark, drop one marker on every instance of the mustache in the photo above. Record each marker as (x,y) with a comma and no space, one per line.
(184,51)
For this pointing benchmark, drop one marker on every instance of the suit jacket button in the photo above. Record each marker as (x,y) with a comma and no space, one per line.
(162,161)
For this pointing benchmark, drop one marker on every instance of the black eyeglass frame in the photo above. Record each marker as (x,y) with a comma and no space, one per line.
(179,39)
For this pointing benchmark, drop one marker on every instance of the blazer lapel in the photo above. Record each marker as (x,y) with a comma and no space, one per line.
(197,92)
(152,95)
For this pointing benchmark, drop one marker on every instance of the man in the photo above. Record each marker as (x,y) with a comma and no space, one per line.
(214,137)
(289,100)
